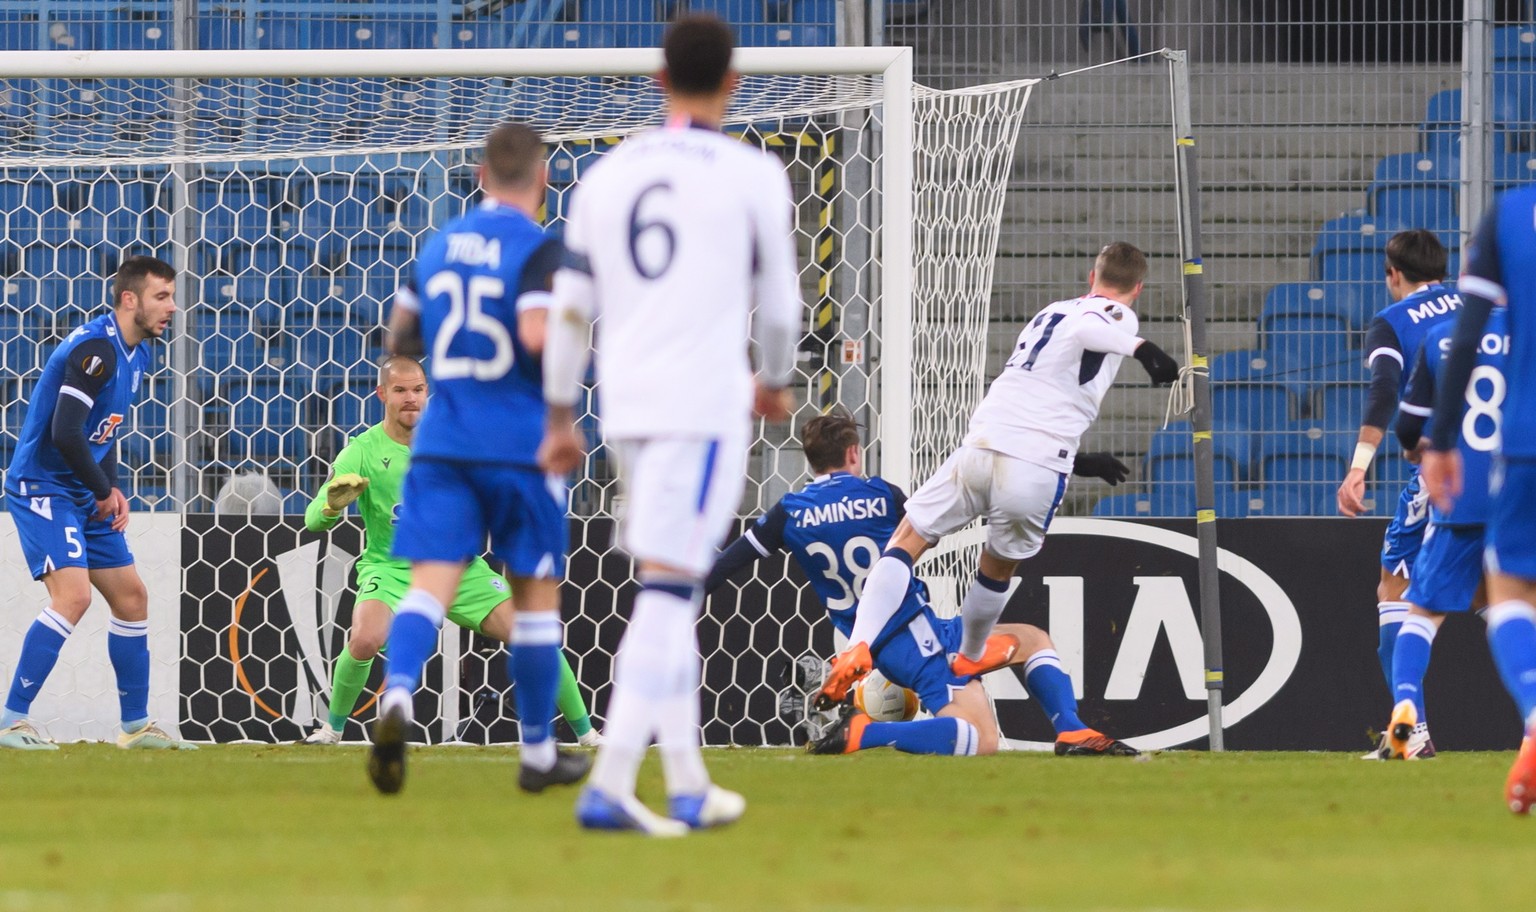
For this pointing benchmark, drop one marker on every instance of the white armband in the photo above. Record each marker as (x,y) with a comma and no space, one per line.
(1365,454)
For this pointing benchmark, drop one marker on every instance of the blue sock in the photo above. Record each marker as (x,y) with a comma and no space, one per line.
(128,648)
(412,639)
(1390,615)
(1410,660)
(944,735)
(533,664)
(39,653)
(1048,682)
(1512,638)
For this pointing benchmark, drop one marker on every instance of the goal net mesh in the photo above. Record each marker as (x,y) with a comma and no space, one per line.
(294,207)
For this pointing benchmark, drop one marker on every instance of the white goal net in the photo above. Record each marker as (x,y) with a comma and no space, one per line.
(292,190)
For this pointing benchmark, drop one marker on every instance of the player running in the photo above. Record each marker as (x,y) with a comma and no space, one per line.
(676,237)
(70,514)
(1415,277)
(1012,467)
(834,528)
(1500,272)
(483,283)
(370,471)
(1448,574)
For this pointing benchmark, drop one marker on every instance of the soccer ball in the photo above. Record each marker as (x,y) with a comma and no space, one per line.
(883,701)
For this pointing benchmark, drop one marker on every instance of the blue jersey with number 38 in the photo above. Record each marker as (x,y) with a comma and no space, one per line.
(470,281)
(1481,423)
(836,528)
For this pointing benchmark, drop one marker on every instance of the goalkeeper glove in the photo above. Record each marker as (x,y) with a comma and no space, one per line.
(1100,465)
(1160,366)
(342,490)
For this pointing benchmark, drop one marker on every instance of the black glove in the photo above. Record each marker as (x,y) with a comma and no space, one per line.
(1100,465)
(1160,366)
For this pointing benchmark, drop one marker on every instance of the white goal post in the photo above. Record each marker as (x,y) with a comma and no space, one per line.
(291,189)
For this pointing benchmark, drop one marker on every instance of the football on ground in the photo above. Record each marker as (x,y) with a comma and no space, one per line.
(883,701)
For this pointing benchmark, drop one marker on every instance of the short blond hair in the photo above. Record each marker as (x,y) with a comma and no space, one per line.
(1120,266)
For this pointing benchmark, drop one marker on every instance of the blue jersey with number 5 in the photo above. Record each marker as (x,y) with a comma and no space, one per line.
(1481,423)
(836,528)
(471,280)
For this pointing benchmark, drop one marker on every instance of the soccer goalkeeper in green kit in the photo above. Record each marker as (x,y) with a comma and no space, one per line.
(370,470)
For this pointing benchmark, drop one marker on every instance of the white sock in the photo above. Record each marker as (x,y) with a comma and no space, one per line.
(983,605)
(677,713)
(967,739)
(646,674)
(884,590)
(540,756)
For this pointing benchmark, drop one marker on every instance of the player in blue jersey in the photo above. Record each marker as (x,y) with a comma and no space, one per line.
(480,312)
(1415,277)
(1500,272)
(1448,574)
(835,528)
(69,512)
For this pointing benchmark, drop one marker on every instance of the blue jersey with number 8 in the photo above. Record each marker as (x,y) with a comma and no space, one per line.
(836,528)
(470,282)
(1481,423)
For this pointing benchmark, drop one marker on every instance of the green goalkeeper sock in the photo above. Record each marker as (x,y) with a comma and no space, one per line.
(568,699)
(347,683)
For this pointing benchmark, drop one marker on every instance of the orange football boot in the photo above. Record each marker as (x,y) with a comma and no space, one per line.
(999,652)
(842,738)
(847,668)
(1085,742)
(1520,787)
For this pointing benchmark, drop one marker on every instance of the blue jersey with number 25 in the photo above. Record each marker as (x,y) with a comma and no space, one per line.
(836,528)
(487,390)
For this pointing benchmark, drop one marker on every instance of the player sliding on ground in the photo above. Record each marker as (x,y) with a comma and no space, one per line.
(1448,573)
(680,239)
(834,527)
(483,283)
(70,514)
(370,471)
(1012,466)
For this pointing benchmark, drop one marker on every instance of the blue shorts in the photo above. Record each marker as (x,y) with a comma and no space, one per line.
(1512,527)
(1406,532)
(1449,569)
(56,531)
(449,509)
(917,658)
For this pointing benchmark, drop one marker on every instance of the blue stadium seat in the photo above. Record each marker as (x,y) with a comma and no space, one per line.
(1246,365)
(129,30)
(264,420)
(1515,43)
(1301,326)
(1233,501)
(1241,407)
(1305,453)
(1290,499)
(1316,299)
(637,23)
(1122,505)
(20,30)
(749,19)
(1513,169)
(1172,498)
(1416,189)
(353,406)
(1352,248)
(1171,457)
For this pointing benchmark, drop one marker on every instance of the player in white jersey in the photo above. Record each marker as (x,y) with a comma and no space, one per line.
(676,238)
(1013,465)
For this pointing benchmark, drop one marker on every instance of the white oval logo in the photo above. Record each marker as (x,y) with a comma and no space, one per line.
(1284,621)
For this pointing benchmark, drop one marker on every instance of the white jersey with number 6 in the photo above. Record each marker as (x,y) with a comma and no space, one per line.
(684,231)
(1050,390)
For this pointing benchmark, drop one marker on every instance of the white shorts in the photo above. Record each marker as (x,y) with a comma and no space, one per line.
(682,494)
(1017,498)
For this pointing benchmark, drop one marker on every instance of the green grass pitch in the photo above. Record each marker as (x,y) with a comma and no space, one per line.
(283,829)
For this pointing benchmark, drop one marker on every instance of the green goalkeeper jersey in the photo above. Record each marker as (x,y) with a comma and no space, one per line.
(373,455)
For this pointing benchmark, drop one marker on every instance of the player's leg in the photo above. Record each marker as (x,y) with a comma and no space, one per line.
(917,657)
(528,532)
(1410,662)
(1021,502)
(1048,682)
(484,605)
(948,501)
(441,527)
(69,595)
(1511,615)
(371,619)
(683,495)
(1400,549)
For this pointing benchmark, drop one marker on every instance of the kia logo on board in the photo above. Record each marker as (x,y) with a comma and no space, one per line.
(1120,600)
